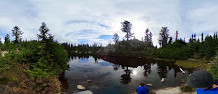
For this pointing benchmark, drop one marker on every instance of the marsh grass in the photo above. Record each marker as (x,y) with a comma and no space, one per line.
(198,64)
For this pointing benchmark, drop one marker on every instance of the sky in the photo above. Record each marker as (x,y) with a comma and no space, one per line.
(95,21)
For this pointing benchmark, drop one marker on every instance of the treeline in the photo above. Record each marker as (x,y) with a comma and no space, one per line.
(197,48)
(180,49)
(81,49)
(32,66)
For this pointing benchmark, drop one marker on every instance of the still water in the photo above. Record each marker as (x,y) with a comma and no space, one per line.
(121,75)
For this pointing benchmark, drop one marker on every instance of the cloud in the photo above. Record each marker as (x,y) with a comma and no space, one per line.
(87,22)
(77,20)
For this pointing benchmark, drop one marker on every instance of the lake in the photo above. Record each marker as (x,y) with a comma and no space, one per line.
(113,75)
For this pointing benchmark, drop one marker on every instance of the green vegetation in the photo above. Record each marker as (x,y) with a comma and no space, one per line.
(214,67)
(32,66)
(169,49)
(81,49)
(186,88)
(197,64)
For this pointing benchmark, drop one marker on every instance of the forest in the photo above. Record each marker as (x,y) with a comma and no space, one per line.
(32,66)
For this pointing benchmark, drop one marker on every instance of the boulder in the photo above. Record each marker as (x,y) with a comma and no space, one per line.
(84,92)
(80,87)
(89,81)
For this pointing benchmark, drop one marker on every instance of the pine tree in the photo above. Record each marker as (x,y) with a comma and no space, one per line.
(43,33)
(163,37)
(176,35)
(116,38)
(202,37)
(16,32)
(7,39)
(126,27)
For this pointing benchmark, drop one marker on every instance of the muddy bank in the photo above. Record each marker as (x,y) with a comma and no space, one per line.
(171,90)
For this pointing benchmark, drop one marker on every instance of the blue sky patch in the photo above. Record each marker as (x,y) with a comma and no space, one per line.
(83,41)
(105,37)
(105,63)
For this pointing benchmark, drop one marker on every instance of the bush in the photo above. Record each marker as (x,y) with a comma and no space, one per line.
(214,68)
(186,88)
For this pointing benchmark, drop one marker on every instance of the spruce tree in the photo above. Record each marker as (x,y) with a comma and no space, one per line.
(16,32)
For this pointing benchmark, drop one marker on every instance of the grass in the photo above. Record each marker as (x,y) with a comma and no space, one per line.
(200,64)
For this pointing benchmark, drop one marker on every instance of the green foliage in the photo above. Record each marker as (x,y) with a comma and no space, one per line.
(16,32)
(52,57)
(32,66)
(214,67)
(43,32)
(163,37)
(81,49)
(186,88)
(52,61)
(126,28)
(4,81)
(41,69)
(4,64)
(132,47)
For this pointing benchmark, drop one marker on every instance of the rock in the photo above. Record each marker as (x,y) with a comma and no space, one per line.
(89,81)
(84,92)
(162,80)
(148,84)
(80,87)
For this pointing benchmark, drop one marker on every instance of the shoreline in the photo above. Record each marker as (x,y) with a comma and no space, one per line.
(168,90)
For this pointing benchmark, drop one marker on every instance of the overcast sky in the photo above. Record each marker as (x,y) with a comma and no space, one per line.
(89,21)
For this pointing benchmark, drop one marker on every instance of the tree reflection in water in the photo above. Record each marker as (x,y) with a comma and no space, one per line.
(126,78)
(116,67)
(147,68)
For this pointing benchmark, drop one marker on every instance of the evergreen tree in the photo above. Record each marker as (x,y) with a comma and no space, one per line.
(170,40)
(148,37)
(202,37)
(163,37)
(176,35)
(43,32)
(209,50)
(7,39)
(16,32)
(126,27)
(116,38)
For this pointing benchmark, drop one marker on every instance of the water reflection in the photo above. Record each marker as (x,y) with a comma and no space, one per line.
(126,78)
(120,75)
(147,68)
